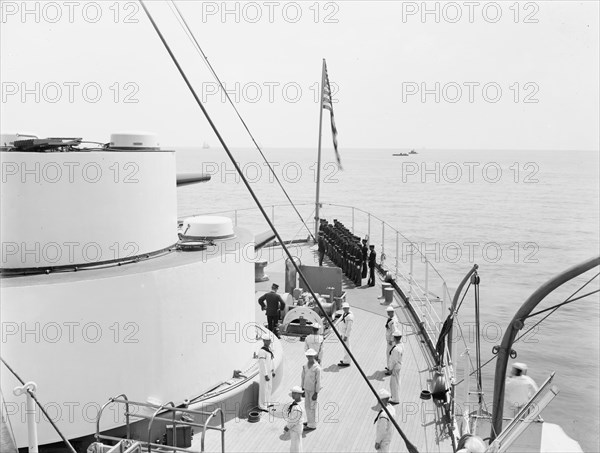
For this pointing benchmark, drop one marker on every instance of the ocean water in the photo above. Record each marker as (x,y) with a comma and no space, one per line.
(522,216)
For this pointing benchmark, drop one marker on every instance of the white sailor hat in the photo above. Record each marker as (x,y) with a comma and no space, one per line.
(390,308)
(310,352)
(345,305)
(397,334)
(316,325)
(383,393)
(296,389)
(519,366)
(266,336)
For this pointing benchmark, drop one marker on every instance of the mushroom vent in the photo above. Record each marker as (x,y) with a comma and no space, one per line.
(207,228)
(134,140)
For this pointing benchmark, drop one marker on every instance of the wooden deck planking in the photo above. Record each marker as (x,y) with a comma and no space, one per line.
(346,408)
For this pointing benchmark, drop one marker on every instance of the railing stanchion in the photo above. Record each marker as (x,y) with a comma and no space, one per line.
(410,275)
(426,279)
(353,220)
(369,228)
(444,291)
(382,242)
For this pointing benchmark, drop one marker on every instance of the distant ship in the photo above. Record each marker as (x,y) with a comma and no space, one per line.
(412,151)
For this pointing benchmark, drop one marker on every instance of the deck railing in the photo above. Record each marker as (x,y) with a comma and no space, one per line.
(413,271)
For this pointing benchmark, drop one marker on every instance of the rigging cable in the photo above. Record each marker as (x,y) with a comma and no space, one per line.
(475,279)
(463,298)
(40,406)
(561,304)
(554,308)
(188,31)
(411,448)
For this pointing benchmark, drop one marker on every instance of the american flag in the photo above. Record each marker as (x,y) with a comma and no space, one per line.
(328,104)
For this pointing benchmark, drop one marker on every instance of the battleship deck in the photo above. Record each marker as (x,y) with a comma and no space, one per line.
(346,409)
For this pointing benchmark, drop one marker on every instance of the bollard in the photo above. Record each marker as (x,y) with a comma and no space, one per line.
(389,295)
(383,288)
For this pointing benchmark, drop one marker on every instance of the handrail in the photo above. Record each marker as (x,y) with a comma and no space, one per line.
(218,409)
(162,407)
(352,208)
(110,401)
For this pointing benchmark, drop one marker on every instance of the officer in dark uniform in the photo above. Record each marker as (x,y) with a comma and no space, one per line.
(365,256)
(321,243)
(344,256)
(357,266)
(274,304)
(372,257)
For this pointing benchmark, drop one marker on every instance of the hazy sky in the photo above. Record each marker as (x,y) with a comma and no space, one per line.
(481,75)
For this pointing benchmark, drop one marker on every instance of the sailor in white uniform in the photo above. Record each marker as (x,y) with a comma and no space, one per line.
(266,369)
(519,388)
(311,383)
(345,328)
(293,413)
(391,325)
(383,426)
(395,364)
(315,341)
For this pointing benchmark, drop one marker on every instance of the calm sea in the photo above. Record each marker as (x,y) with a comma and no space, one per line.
(522,216)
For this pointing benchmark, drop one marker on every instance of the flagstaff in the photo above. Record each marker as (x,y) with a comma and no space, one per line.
(319,152)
